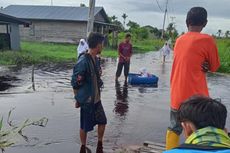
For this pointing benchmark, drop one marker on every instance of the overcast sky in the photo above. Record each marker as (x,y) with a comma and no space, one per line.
(147,12)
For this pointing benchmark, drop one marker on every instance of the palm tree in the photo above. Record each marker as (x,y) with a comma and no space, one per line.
(219,32)
(113,18)
(227,33)
(124,16)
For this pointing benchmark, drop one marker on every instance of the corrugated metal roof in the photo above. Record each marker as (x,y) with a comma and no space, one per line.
(49,12)
(5,18)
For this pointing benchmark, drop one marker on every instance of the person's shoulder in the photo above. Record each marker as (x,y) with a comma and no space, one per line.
(181,37)
(206,36)
(207,39)
(82,58)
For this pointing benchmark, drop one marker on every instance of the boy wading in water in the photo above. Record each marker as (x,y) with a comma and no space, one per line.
(194,54)
(125,52)
(86,84)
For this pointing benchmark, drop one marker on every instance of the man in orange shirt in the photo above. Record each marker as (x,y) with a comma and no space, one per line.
(194,54)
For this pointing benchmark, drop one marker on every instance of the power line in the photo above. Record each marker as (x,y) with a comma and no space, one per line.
(159,6)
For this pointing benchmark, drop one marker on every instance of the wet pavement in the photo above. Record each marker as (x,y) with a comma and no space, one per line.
(135,114)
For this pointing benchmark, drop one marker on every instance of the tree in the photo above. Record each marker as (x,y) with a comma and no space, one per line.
(143,33)
(219,33)
(113,18)
(124,16)
(227,33)
(82,5)
(171,31)
(132,25)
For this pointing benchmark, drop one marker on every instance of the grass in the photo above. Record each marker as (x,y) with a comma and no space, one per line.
(35,52)
(224,53)
(147,45)
(9,134)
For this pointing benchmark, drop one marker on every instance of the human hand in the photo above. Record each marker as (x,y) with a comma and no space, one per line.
(100,72)
(77,105)
(205,66)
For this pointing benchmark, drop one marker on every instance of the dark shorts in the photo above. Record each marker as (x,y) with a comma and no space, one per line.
(96,116)
(175,125)
(120,67)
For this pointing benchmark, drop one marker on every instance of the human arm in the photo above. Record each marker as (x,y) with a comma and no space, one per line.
(120,48)
(213,57)
(78,78)
(77,104)
(130,53)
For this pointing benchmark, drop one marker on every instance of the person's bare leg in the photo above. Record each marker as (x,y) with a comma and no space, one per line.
(164,59)
(83,137)
(100,132)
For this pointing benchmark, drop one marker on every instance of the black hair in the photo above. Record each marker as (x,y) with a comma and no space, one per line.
(94,39)
(196,16)
(203,112)
(127,35)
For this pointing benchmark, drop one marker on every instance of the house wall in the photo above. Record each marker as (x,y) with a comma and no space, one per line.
(3,29)
(99,17)
(54,31)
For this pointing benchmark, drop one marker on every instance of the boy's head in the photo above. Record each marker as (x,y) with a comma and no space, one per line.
(128,37)
(200,112)
(95,42)
(197,16)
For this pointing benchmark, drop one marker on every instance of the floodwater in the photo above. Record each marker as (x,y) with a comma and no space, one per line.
(135,114)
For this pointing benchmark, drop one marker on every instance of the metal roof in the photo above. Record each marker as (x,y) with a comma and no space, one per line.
(50,12)
(4,18)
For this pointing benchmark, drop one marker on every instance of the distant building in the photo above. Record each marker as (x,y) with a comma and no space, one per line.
(9,32)
(57,23)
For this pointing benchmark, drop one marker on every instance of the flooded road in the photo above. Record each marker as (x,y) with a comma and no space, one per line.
(135,114)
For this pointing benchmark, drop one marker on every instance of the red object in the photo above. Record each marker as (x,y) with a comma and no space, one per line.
(187,77)
(126,50)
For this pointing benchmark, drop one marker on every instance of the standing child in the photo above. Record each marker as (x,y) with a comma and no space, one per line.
(194,54)
(82,47)
(165,51)
(125,52)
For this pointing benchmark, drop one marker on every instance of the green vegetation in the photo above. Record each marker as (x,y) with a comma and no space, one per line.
(10,133)
(35,52)
(142,45)
(224,52)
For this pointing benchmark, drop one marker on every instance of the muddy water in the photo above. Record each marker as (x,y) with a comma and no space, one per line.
(135,114)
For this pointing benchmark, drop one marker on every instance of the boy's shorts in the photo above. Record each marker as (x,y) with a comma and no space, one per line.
(175,125)
(91,118)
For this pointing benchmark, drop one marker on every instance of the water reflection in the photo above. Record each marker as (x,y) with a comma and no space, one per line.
(121,102)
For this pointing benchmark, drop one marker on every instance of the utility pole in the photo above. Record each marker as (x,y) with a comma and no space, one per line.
(51,2)
(166,9)
(91,17)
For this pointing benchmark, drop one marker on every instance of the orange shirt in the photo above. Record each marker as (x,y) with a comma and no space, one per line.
(187,77)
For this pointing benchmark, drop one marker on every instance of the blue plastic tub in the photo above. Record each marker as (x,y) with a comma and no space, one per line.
(137,79)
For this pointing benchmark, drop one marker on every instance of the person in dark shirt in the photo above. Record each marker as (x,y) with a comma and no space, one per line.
(125,53)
